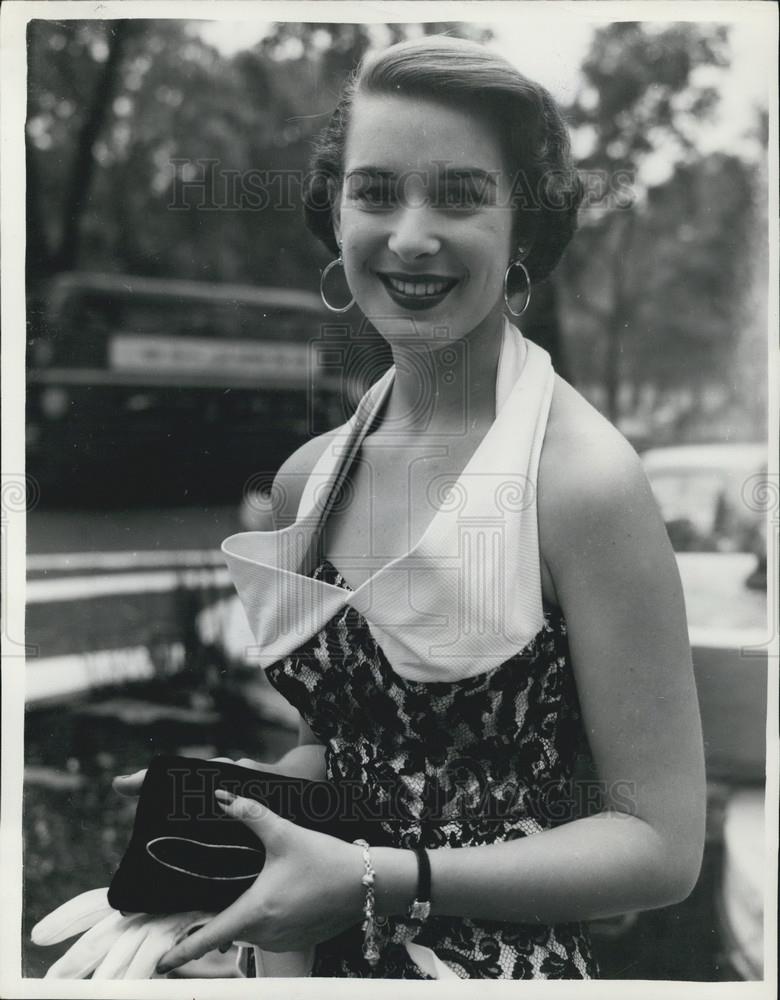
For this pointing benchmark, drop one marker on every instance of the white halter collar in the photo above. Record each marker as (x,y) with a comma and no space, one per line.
(468,595)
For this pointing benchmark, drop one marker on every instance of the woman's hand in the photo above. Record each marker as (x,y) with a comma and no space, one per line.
(308,891)
(130,784)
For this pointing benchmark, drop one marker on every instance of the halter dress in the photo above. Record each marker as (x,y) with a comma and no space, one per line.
(443,684)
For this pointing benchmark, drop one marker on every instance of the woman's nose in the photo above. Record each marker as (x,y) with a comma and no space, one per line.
(413,233)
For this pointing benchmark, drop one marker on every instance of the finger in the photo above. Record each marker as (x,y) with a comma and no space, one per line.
(158,939)
(121,952)
(261,820)
(87,952)
(73,917)
(129,784)
(162,933)
(224,927)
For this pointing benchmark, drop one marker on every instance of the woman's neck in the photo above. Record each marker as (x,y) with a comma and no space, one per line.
(445,387)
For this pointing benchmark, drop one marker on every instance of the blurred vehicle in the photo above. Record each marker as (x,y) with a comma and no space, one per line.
(151,404)
(710,499)
(702,491)
(149,390)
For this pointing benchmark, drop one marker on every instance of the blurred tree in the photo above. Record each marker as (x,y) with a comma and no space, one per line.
(73,76)
(641,90)
(173,107)
(641,98)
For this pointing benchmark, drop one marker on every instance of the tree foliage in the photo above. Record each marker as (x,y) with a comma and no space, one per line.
(150,152)
(653,286)
(641,90)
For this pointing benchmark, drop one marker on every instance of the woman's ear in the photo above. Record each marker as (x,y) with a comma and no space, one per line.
(334,192)
(523,236)
(335,215)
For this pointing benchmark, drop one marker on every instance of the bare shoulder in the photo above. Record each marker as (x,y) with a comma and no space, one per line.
(583,451)
(293,475)
(592,486)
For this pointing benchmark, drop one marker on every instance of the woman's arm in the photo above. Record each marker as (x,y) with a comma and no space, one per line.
(618,585)
(307,760)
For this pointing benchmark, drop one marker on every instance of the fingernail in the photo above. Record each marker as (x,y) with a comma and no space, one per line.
(222,794)
(163,967)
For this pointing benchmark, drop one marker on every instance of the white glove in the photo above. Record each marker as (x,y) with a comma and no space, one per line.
(111,946)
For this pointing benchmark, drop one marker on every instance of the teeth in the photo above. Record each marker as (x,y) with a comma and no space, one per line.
(418,288)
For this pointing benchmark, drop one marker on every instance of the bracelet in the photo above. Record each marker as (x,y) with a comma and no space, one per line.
(370,944)
(420,908)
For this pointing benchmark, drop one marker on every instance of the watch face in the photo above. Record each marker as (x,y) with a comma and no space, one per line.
(420,910)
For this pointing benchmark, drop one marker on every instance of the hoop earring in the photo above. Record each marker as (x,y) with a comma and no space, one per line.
(336,309)
(527,276)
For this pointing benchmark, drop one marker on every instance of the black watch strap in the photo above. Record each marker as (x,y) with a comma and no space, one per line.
(420,909)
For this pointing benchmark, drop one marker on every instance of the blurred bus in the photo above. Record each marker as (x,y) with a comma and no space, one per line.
(147,391)
(151,405)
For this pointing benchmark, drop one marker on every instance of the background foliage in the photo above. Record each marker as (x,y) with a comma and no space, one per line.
(657,313)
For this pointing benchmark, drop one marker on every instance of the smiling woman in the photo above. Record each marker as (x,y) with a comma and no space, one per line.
(416,211)
(467,590)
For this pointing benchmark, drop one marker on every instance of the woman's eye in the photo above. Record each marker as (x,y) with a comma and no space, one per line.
(373,193)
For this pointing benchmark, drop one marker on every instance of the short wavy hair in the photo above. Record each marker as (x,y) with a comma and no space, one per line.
(547,189)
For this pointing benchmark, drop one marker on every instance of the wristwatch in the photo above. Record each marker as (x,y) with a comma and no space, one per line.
(420,908)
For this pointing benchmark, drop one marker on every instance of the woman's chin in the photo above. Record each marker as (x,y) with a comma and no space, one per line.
(442,327)
(400,330)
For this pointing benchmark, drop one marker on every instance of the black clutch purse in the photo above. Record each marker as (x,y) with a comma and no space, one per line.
(186,854)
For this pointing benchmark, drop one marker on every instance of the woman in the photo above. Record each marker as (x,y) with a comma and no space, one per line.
(468,585)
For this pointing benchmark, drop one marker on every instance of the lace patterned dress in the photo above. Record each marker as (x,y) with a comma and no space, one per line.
(442,685)
(476,761)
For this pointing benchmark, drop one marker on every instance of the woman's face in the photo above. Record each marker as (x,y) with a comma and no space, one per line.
(424,217)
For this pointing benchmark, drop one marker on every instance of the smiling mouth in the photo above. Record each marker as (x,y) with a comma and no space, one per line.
(418,291)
